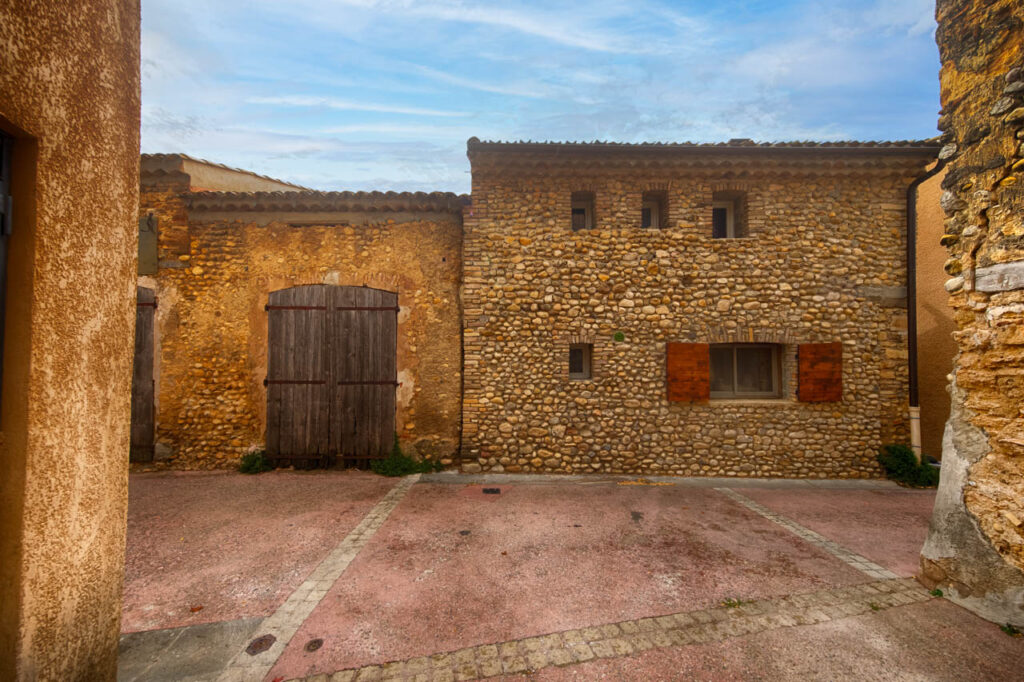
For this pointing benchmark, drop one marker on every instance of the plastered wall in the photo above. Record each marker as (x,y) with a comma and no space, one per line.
(935,325)
(69,93)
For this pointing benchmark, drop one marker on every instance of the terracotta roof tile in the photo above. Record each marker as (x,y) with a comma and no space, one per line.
(435,202)
(186,157)
(475,144)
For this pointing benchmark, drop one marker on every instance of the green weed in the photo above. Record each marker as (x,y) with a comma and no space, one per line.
(400,464)
(255,463)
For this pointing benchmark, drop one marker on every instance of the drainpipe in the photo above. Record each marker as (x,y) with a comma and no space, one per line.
(914,398)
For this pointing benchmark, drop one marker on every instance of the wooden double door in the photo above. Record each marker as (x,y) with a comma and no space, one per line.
(331,375)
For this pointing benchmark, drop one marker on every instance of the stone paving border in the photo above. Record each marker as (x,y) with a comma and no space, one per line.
(628,637)
(845,555)
(285,622)
(459,478)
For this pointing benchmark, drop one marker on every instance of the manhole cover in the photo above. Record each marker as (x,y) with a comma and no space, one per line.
(260,644)
(463,532)
(314,644)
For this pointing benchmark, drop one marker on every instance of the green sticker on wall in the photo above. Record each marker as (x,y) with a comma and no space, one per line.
(619,336)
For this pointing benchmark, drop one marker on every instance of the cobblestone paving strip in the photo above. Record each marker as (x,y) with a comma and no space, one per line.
(633,636)
(285,622)
(862,564)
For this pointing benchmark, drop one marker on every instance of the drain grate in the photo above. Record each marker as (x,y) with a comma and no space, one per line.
(260,644)
(492,491)
(314,644)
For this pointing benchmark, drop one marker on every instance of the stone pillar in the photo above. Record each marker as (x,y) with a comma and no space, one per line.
(975,546)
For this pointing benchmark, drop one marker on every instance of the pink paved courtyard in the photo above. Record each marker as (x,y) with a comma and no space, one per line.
(234,545)
(452,567)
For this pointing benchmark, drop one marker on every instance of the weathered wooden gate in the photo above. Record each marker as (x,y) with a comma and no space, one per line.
(331,374)
(143,410)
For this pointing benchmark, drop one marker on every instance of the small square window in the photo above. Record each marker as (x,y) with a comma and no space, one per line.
(652,211)
(723,220)
(727,215)
(582,211)
(745,370)
(580,355)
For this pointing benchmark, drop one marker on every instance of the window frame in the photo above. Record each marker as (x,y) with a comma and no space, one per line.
(585,201)
(776,367)
(656,203)
(587,372)
(730,217)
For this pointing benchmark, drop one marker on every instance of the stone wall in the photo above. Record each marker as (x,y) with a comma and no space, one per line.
(69,95)
(220,256)
(975,547)
(823,262)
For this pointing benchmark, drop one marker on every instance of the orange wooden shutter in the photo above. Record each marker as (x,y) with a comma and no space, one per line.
(820,372)
(688,371)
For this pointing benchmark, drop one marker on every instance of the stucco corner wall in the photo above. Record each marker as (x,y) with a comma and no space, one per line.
(975,546)
(69,94)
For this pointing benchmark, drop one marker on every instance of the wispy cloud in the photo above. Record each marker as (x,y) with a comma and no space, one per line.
(575,26)
(352,93)
(348,105)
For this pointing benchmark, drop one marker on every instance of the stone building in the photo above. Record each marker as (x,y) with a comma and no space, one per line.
(733,309)
(975,547)
(69,144)
(224,245)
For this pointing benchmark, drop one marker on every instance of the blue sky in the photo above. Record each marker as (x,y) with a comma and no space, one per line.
(383,94)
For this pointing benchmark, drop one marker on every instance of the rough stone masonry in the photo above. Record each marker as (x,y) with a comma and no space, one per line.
(819,259)
(611,304)
(975,547)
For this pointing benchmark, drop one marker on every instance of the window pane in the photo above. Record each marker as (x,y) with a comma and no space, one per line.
(754,370)
(575,361)
(721,370)
(645,217)
(719,223)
